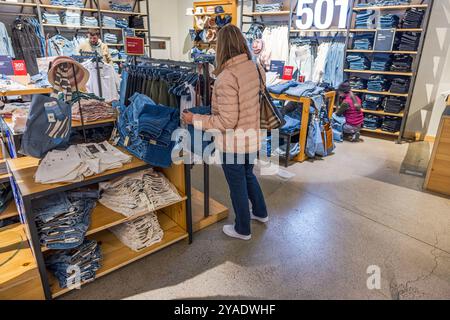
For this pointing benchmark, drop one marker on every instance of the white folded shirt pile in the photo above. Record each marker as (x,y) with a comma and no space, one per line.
(138,193)
(139,233)
(79,161)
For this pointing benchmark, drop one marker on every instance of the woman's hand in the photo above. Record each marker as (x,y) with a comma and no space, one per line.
(187,117)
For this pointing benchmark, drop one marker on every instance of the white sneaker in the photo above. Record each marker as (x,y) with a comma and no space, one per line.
(229,231)
(263,220)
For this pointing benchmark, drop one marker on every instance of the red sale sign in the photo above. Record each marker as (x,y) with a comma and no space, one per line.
(134,46)
(19,67)
(288,72)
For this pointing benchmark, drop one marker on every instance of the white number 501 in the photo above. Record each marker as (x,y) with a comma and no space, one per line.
(307,17)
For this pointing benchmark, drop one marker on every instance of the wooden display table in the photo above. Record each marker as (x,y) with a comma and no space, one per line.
(306,103)
(438,175)
(174,218)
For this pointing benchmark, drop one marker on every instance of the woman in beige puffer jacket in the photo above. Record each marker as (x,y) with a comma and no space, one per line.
(236,114)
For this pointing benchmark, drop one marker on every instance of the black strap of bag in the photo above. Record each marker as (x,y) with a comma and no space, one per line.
(270,117)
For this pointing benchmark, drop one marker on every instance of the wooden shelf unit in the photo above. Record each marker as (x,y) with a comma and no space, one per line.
(25,92)
(379,131)
(306,104)
(381,93)
(373,51)
(116,255)
(383,113)
(397,7)
(396,30)
(174,218)
(275,13)
(386,73)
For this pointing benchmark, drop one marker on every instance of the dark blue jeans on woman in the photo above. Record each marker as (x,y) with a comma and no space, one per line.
(243,186)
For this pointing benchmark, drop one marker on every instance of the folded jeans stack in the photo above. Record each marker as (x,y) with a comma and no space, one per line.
(363,41)
(62,219)
(74,265)
(388,21)
(378,83)
(122,23)
(381,62)
(358,83)
(138,193)
(93,110)
(409,41)
(372,102)
(401,63)
(139,233)
(110,38)
(68,3)
(282,87)
(358,61)
(90,21)
(269,7)
(108,22)
(79,161)
(413,18)
(120,6)
(400,85)
(71,18)
(156,125)
(372,122)
(365,19)
(51,18)
(391,124)
(394,104)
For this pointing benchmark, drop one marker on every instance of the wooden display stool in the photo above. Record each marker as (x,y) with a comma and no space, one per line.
(19,274)
(438,175)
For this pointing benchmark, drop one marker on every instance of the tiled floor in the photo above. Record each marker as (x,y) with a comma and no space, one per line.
(331,222)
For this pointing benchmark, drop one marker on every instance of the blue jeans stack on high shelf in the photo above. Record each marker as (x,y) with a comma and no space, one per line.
(381,62)
(378,83)
(120,6)
(68,3)
(51,18)
(108,22)
(363,41)
(90,21)
(71,18)
(358,61)
(110,38)
(372,102)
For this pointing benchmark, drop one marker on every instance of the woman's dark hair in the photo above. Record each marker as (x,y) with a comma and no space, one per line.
(230,43)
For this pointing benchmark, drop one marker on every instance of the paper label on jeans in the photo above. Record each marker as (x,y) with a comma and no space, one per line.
(152,142)
(127,141)
(113,134)
(116,141)
(51,117)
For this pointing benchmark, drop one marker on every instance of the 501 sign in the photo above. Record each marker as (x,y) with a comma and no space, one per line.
(323,14)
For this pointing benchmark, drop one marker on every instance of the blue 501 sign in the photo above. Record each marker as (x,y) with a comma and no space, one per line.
(323,14)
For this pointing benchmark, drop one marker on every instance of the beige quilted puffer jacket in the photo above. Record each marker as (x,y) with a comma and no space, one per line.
(235,107)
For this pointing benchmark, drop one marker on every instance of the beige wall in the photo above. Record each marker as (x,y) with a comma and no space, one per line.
(434,73)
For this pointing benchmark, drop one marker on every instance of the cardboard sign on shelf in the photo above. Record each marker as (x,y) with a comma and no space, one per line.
(384,40)
(277,66)
(19,67)
(134,46)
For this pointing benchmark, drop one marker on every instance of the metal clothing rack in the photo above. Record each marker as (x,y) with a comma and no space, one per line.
(206,97)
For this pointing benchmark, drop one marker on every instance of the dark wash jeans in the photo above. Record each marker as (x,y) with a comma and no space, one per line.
(243,186)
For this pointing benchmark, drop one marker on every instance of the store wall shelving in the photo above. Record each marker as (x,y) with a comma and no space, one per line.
(92,7)
(416,55)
